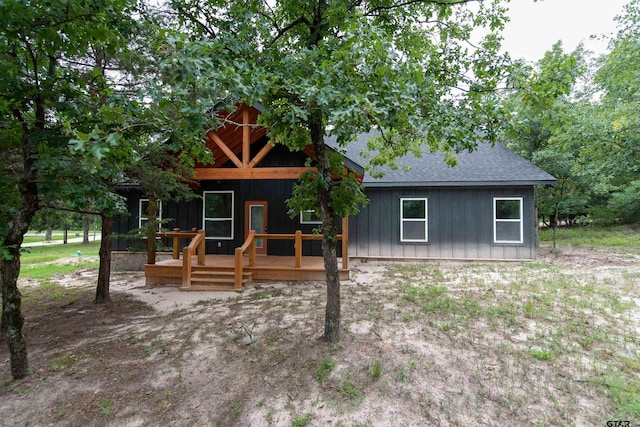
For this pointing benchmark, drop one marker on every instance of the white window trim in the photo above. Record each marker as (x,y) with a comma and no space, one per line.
(145,218)
(205,219)
(309,222)
(496,220)
(425,220)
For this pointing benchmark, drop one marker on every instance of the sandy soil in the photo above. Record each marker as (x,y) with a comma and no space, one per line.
(158,356)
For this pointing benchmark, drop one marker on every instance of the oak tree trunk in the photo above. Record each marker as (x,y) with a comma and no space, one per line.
(12,319)
(104,270)
(86,224)
(152,217)
(329,232)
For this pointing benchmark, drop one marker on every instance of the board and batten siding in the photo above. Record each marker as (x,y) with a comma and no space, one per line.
(459,221)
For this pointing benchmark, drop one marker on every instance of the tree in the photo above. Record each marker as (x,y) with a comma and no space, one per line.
(616,119)
(546,112)
(39,44)
(407,69)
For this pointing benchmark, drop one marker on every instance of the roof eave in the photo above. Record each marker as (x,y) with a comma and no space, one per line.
(369,184)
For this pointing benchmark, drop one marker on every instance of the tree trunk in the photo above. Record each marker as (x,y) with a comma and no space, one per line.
(65,237)
(104,270)
(555,225)
(12,319)
(86,226)
(152,227)
(329,232)
(48,235)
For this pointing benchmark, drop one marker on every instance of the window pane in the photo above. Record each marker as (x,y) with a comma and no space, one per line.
(309,217)
(508,231)
(144,208)
(413,209)
(220,229)
(508,209)
(217,205)
(257,219)
(414,230)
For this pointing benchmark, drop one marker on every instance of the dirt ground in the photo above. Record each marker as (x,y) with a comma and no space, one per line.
(158,356)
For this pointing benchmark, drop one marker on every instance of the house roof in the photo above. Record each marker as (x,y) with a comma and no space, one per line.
(488,165)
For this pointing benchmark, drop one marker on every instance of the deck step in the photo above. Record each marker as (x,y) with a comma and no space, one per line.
(207,279)
(207,288)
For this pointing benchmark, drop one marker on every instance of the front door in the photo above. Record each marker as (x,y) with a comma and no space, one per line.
(255,218)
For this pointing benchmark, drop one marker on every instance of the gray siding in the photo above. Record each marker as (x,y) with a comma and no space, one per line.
(460,224)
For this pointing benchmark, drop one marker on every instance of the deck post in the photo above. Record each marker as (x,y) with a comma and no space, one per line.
(176,245)
(252,250)
(201,248)
(298,248)
(345,243)
(186,268)
(237,277)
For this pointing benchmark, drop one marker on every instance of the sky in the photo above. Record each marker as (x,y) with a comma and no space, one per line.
(536,26)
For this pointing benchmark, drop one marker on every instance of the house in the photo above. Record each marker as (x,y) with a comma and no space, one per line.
(481,209)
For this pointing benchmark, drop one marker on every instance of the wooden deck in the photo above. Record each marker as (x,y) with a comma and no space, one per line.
(217,273)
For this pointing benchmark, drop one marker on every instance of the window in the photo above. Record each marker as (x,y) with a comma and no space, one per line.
(143,209)
(310,217)
(413,220)
(218,215)
(507,219)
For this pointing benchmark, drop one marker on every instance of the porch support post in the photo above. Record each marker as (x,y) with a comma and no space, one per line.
(201,248)
(298,247)
(176,245)
(252,249)
(186,268)
(237,278)
(345,243)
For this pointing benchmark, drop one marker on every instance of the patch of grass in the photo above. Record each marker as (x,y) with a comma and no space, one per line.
(106,408)
(45,271)
(301,420)
(540,354)
(624,391)
(65,361)
(48,291)
(620,236)
(376,369)
(349,391)
(325,366)
(259,295)
(40,254)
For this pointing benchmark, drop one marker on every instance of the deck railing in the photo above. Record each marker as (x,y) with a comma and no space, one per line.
(297,237)
(196,246)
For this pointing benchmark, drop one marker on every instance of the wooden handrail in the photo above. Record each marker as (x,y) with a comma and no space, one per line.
(297,236)
(198,245)
(250,244)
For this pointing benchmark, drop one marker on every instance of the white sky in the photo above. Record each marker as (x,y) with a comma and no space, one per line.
(536,26)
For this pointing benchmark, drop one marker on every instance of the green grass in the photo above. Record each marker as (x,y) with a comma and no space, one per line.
(40,254)
(39,262)
(325,366)
(44,271)
(620,236)
(565,317)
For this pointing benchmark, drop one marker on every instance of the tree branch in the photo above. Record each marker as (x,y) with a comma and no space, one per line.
(376,9)
(283,31)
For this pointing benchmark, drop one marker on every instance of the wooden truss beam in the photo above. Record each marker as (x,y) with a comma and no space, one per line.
(249,173)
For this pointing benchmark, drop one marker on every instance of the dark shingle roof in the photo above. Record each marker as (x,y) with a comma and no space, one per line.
(486,166)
